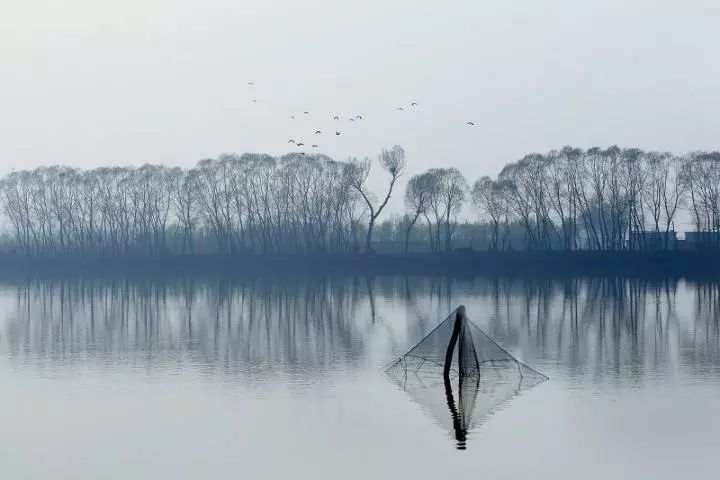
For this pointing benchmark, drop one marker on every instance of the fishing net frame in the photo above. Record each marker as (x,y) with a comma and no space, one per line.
(457,348)
(460,376)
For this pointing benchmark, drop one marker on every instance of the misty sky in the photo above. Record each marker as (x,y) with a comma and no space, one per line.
(88,83)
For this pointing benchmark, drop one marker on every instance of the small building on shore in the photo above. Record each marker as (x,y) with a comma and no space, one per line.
(652,241)
(702,240)
(657,241)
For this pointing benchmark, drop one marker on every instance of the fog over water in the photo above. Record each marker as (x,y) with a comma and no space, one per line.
(273,377)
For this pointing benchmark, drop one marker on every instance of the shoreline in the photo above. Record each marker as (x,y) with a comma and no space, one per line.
(700,265)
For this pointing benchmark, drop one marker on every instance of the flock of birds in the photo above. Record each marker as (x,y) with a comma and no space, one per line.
(319,132)
(336,118)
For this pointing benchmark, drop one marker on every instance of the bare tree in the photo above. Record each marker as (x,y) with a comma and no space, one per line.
(418,191)
(451,194)
(487,197)
(356,174)
(184,188)
(560,192)
(700,176)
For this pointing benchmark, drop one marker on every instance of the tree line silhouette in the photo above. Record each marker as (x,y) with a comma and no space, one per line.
(594,199)
(568,199)
(231,205)
(573,199)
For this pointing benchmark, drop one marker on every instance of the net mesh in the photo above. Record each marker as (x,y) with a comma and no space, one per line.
(460,376)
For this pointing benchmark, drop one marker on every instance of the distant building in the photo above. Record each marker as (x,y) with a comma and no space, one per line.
(652,241)
(702,240)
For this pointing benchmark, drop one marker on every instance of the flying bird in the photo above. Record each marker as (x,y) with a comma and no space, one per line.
(414,104)
(306,113)
(315,146)
(470,123)
(299,144)
(359,117)
(254,100)
(351,119)
(337,133)
(291,141)
(292,116)
(317,132)
(251,83)
(336,117)
(400,108)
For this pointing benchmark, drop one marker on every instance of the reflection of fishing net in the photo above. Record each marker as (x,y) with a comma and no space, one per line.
(460,375)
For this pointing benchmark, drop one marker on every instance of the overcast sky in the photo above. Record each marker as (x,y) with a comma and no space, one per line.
(89,82)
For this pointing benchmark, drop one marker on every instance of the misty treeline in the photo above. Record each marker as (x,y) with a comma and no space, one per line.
(231,205)
(568,199)
(597,199)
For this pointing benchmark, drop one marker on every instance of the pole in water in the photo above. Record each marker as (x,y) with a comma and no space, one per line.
(457,328)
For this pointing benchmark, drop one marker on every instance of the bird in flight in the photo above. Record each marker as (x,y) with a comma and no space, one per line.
(306,113)
(414,104)
(291,141)
(315,146)
(254,100)
(336,117)
(470,123)
(337,133)
(251,83)
(359,117)
(351,119)
(292,116)
(317,132)
(299,144)
(400,108)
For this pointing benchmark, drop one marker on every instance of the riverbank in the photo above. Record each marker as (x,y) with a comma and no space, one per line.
(465,263)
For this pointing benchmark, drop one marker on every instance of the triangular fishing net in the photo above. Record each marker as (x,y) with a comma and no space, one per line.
(460,375)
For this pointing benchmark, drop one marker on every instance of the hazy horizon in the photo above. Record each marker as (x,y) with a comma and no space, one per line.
(85,84)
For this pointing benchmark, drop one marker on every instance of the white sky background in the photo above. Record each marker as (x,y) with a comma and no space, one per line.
(89,83)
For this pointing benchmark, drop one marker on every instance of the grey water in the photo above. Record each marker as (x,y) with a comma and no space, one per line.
(282,378)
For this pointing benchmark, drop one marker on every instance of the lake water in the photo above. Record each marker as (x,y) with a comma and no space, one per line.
(282,378)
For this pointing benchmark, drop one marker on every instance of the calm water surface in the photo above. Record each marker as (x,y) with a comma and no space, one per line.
(282,379)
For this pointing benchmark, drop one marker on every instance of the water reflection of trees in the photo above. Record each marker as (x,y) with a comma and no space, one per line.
(254,326)
(608,328)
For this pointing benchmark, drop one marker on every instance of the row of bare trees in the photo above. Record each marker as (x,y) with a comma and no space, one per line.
(573,199)
(599,199)
(231,205)
(568,199)
(437,196)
